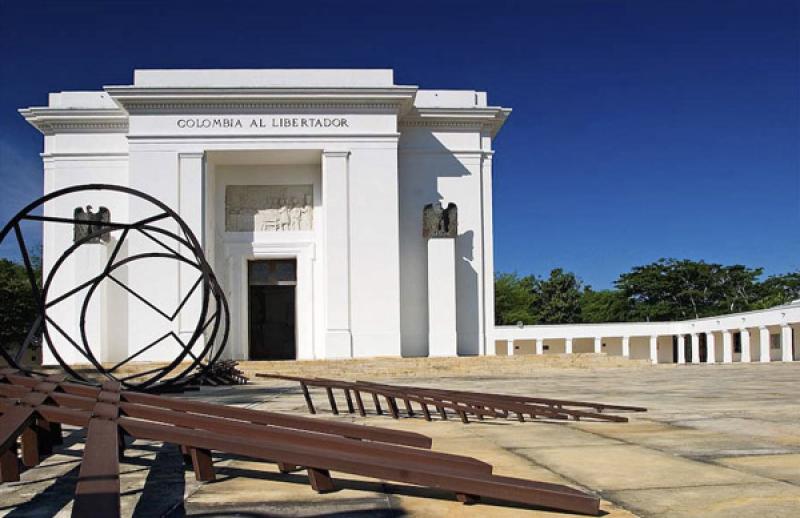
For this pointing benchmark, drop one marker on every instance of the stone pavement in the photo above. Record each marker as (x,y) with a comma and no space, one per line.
(718,441)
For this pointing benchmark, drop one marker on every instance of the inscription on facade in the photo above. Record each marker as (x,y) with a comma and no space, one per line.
(269,208)
(261,122)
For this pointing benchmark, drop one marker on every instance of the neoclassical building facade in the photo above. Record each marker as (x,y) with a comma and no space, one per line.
(306,189)
(311,193)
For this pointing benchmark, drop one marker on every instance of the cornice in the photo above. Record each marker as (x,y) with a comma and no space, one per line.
(84,156)
(484,153)
(59,120)
(144,100)
(335,153)
(440,123)
(490,118)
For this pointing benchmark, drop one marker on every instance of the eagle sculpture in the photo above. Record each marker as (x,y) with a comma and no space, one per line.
(438,221)
(88,222)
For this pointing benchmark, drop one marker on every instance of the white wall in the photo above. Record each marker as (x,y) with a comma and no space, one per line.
(62,170)
(775,319)
(391,159)
(375,250)
(232,250)
(446,166)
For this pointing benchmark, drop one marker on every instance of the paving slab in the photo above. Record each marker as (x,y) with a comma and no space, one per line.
(633,467)
(785,433)
(785,467)
(542,435)
(689,442)
(770,500)
(720,440)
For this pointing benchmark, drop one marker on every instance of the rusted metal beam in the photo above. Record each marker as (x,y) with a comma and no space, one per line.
(507,403)
(465,403)
(293,437)
(31,440)
(225,426)
(390,394)
(560,403)
(15,420)
(9,465)
(283,420)
(407,470)
(287,468)
(202,464)
(307,396)
(320,480)
(68,390)
(97,491)
(292,443)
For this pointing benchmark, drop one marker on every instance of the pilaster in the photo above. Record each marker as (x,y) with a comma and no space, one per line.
(711,347)
(786,343)
(763,344)
(727,346)
(654,349)
(744,336)
(336,199)
(681,348)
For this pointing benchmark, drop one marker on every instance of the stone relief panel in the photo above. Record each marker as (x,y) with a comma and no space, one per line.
(269,208)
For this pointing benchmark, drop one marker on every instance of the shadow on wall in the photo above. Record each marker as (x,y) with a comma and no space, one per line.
(467,295)
(428,173)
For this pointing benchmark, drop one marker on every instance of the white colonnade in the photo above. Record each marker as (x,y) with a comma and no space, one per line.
(764,336)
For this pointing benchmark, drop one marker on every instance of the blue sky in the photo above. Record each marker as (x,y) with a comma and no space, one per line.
(641,129)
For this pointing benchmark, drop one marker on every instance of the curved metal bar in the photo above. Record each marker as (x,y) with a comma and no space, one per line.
(213,322)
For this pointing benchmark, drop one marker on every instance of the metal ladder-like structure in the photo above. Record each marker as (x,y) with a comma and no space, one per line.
(34,408)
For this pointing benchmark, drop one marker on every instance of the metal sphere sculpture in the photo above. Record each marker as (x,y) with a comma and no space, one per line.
(169,239)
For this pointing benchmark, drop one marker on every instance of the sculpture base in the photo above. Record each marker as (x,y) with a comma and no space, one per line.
(442,333)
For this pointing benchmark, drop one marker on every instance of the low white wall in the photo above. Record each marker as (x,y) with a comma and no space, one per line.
(775,320)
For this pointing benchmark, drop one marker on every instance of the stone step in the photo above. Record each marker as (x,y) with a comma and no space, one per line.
(382,367)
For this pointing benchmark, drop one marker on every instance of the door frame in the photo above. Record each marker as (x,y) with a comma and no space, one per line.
(237,255)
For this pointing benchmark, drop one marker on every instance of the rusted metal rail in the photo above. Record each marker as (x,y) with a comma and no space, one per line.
(33,408)
(461,403)
(222,372)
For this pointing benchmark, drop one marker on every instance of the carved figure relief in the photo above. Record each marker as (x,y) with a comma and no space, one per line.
(94,222)
(268,208)
(438,221)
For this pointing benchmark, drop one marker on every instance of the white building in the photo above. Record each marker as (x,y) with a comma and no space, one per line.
(306,189)
(764,335)
(317,176)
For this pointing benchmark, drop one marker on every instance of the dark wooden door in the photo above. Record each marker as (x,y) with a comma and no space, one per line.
(272,323)
(272,309)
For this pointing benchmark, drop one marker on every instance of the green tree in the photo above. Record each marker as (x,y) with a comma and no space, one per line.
(513,299)
(671,289)
(739,286)
(557,299)
(778,289)
(604,306)
(668,289)
(17,307)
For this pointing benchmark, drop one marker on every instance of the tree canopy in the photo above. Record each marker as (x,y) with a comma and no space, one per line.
(667,289)
(17,307)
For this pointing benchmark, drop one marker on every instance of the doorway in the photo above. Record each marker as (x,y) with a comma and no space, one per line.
(272,309)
